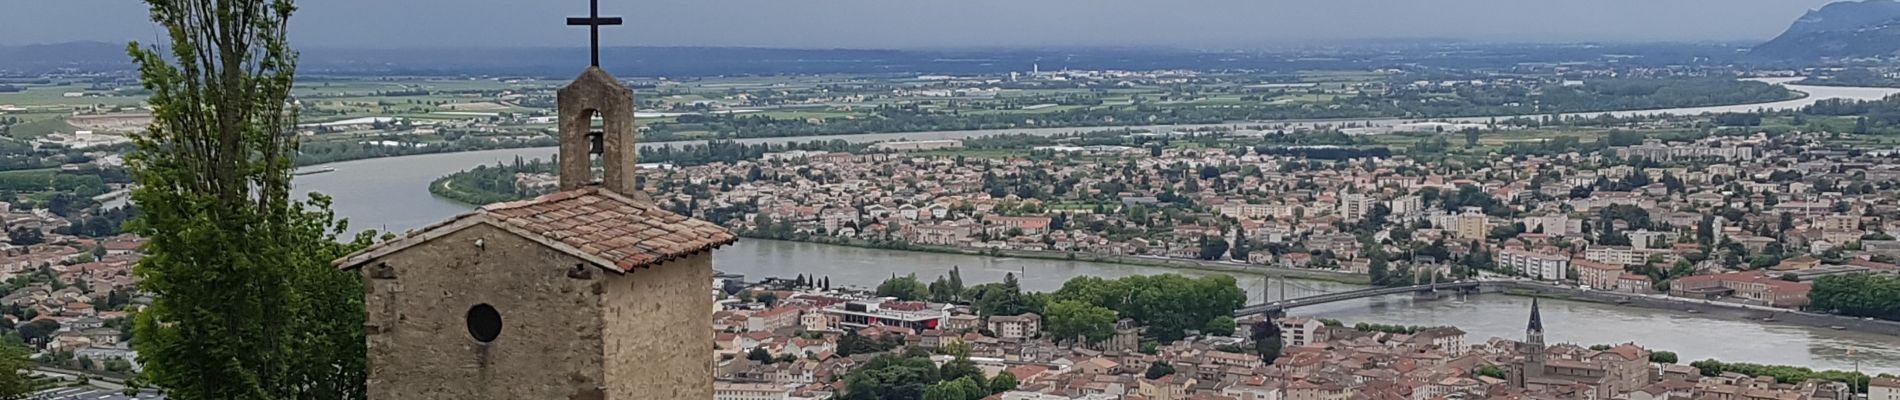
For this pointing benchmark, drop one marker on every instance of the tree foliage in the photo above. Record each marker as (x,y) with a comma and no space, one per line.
(1266,341)
(1782,373)
(963,388)
(15,360)
(1394,329)
(1860,295)
(1070,319)
(1663,357)
(906,288)
(1005,298)
(961,368)
(1219,326)
(1168,304)
(1003,382)
(853,343)
(890,377)
(38,331)
(246,305)
(1158,369)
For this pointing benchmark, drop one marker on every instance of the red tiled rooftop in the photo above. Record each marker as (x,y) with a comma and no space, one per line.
(594,223)
(628,232)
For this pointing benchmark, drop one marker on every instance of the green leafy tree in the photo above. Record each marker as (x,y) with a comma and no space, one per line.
(955,285)
(1069,319)
(1491,371)
(1158,369)
(1168,304)
(1219,326)
(15,360)
(1663,357)
(1005,298)
(1213,248)
(906,288)
(853,343)
(960,368)
(1003,382)
(24,236)
(38,331)
(963,388)
(118,365)
(890,377)
(768,298)
(1266,341)
(246,305)
(1860,295)
(1783,373)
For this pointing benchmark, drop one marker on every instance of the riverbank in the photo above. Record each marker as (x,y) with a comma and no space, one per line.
(1731,311)
(444,188)
(1171,263)
(1799,96)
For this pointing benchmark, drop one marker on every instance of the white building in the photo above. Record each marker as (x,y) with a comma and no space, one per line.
(1536,265)
(1354,207)
(1016,326)
(1302,331)
(750,391)
(1883,389)
(1651,240)
(909,314)
(1554,225)
(1613,255)
(1406,205)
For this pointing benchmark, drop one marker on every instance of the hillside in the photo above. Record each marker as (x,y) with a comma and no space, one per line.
(1840,30)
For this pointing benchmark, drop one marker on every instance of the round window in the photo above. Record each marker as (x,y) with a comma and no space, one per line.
(484,323)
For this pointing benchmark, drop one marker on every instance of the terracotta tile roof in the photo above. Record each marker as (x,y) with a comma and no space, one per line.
(605,227)
(629,232)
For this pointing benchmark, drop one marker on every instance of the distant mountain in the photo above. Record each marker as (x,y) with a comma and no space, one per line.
(1868,28)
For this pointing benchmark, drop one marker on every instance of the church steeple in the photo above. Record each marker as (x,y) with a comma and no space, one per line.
(1533,348)
(597,94)
(1537,320)
(1534,342)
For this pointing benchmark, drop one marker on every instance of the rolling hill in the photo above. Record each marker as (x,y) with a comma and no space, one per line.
(1853,29)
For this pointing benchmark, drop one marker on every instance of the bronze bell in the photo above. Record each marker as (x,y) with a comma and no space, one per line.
(596,141)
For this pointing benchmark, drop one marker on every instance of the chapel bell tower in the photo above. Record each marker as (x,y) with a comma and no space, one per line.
(597,94)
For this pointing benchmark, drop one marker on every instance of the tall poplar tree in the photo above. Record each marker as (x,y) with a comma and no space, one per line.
(246,305)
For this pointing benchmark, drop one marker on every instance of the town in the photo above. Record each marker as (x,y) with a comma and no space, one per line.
(1749,218)
(1225,200)
(1740,216)
(794,339)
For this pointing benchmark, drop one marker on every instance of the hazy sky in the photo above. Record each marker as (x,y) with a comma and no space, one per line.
(948,23)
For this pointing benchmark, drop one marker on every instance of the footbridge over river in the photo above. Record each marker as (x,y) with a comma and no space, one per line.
(1278,308)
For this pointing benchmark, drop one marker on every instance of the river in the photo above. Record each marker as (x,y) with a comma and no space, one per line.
(391,194)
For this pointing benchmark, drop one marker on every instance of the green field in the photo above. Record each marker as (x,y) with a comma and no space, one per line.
(53,98)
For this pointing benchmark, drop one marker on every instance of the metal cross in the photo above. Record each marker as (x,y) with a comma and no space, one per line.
(593,21)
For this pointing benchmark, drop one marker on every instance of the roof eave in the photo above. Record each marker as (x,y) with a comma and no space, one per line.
(457,224)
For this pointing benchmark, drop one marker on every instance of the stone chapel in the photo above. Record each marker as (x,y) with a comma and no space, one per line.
(589,293)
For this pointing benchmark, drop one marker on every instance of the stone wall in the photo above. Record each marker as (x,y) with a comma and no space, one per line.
(659,342)
(419,342)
